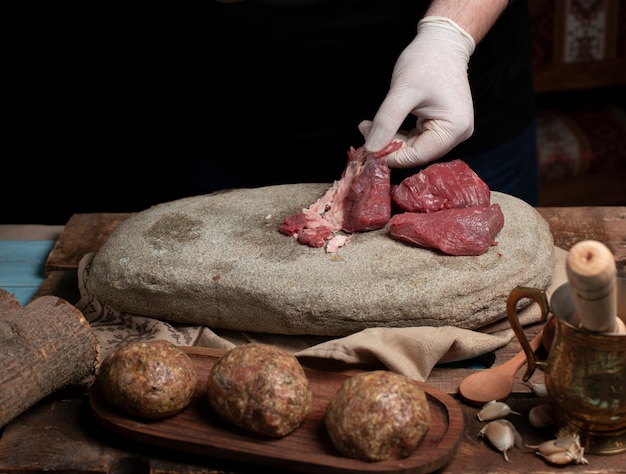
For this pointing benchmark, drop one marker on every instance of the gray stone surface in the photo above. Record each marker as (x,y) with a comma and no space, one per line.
(219,260)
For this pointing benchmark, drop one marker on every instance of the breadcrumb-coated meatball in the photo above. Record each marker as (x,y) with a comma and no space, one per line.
(260,388)
(377,416)
(150,380)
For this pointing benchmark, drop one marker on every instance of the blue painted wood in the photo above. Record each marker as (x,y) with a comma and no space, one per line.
(22,266)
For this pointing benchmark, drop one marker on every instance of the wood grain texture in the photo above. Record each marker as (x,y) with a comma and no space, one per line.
(199,430)
(58,435)
(83,233)
(45,346)
(72,442)
(606,224)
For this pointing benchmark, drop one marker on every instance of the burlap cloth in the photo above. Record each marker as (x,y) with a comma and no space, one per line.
(412,351)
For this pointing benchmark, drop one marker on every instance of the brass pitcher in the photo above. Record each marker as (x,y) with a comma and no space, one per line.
(585,371)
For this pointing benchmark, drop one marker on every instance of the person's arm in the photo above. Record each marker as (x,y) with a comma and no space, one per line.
(430,81)
(476,17)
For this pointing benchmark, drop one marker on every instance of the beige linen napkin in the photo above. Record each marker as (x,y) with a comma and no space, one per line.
(412,351)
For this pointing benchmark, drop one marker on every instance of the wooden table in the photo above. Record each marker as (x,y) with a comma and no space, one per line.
(58,435)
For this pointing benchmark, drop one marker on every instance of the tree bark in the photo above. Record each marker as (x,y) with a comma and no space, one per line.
(45,346)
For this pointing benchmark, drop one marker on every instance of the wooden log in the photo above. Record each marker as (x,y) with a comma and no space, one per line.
(8,302)
(45,346)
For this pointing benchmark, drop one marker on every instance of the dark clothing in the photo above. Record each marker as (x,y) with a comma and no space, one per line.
(116,110)
(290,81)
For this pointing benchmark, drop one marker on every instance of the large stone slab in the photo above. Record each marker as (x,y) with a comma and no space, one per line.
(219,260)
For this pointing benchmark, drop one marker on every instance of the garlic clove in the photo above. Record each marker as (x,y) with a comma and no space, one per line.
(551,447)
(564,450)
(576,450)
(542,415)
(569,443)
(494,410)
(564,457)
(502,435)
(539,389)
(560,458)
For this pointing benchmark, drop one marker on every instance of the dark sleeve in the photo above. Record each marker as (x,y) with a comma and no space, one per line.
(500,76)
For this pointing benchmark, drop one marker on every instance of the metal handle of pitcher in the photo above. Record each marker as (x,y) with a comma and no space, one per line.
(539,296)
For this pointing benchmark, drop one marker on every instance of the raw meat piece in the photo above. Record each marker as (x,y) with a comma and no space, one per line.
(308,227)
(359,201)
(441,186)
(368,202)
(467,231)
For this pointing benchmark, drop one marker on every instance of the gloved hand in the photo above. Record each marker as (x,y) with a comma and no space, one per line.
(430,81)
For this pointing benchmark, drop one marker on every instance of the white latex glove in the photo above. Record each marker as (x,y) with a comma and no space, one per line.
(430,81)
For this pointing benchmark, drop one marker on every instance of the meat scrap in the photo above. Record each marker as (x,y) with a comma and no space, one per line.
(456,231)
(359,201)
(441,186)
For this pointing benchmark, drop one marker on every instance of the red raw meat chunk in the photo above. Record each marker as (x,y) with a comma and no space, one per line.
(442,186)
(368,202)
(359,201)
(466,231)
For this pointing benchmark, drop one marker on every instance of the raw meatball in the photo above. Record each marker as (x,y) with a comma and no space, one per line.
(260,388)
(150,380)
(377,416)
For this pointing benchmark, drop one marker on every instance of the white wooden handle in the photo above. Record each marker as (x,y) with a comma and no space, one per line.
(592,275)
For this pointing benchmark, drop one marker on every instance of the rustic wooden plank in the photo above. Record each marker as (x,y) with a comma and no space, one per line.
(21,266)
(30,231)
(82,234)
(606,224)
(71,442)
(476,455)
(61,283)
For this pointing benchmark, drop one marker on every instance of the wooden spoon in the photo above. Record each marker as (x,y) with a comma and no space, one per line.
(495,383)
